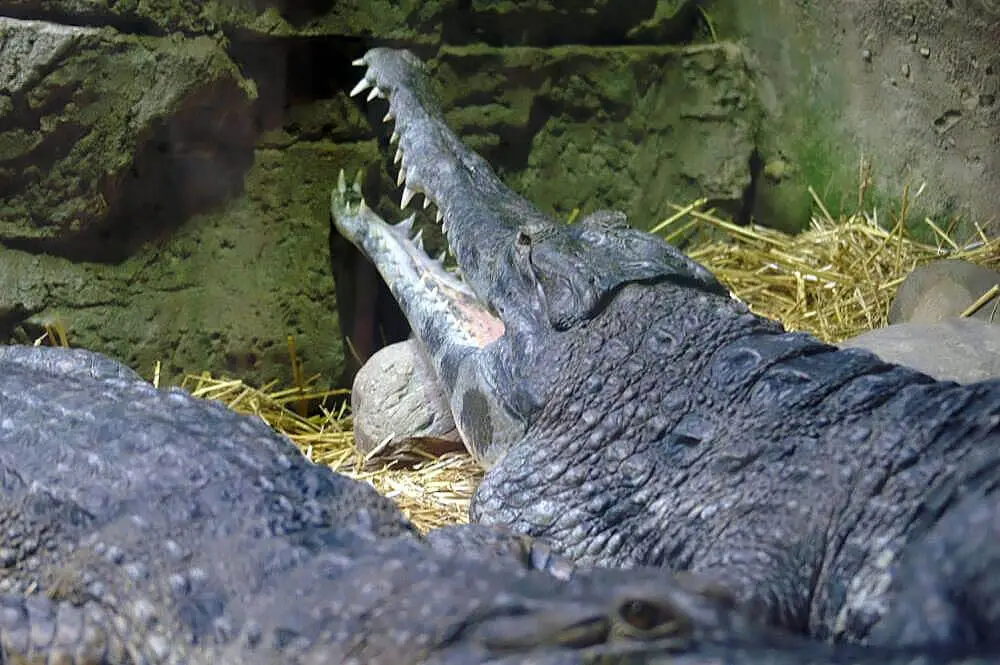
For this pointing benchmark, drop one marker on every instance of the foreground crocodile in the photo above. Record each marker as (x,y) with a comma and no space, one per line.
(149,527)
(143,526)
(633,413)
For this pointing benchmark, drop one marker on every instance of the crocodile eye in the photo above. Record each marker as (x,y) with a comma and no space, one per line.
(642,619)
(523,239)
(641,615)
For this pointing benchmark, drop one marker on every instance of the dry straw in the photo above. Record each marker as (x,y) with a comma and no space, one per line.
(835,280)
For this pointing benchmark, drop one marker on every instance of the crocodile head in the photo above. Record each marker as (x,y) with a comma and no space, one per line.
(537,276)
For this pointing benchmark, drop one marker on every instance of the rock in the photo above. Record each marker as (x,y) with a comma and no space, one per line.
(221,293)
(546,23)
(910,87)
(624,128)
(94,156)
(964,350)
(411,407)
(158,16)
(943,289)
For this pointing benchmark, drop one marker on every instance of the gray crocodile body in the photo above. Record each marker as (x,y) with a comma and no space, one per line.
(148,527)
(632,413)
(152,527)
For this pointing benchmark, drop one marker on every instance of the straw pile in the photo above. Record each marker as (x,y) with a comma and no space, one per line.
(834,280)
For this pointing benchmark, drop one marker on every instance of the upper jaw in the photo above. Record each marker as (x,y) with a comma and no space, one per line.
(480,216)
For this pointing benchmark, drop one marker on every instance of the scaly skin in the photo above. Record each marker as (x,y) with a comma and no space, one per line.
(152,527)
(633,413)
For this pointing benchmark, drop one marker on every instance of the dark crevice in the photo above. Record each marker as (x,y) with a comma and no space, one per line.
(513,150)
(745,212)
(301,12)
(12,320)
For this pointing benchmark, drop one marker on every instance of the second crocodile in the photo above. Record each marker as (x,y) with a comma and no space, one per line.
(633,413)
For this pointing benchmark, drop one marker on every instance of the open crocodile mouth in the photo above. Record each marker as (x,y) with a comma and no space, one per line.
(441,308)
(409,176)
(479,215)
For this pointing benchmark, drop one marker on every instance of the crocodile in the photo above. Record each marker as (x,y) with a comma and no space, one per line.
(149,526)
(633,413)
(146,526)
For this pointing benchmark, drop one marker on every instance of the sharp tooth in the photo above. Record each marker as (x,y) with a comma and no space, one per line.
(341,182)
(362,85)
(407,196)
(374,93)
(395,137)
(406,225)
(438,217)
(362,206)
(418,240)
(388,117)
(427,202)
(398,157)
(401,178)
(360,62)
(440,257)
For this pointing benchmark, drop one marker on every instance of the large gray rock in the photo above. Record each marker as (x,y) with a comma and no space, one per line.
(397,400)
(944,289)
(963,350)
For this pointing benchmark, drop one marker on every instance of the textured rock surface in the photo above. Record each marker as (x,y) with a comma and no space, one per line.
(671,123)
(90,144)
(396,400)
(580,105)
(963,350)
(222,293)
(910,86)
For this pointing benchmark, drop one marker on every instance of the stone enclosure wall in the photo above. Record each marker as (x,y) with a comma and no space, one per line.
(165,165)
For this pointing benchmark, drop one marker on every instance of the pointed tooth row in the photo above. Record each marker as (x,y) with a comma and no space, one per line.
(407,196)
(406,226)
(408,193)
(356,186)
(363,85)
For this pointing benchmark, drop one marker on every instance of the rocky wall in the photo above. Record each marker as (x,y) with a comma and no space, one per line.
(164,164)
